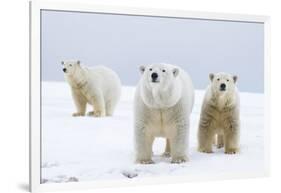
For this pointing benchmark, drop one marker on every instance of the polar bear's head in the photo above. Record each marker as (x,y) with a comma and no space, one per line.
(160,85)
(223,83)
(157,75)
(69,67)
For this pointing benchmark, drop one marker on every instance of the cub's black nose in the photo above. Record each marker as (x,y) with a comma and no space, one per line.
(154,76)
(222,87)
(64,69)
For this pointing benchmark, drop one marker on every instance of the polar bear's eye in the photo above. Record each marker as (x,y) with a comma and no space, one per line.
(163,70)
(227,80)
(70,65)
(150,69)
(218,79)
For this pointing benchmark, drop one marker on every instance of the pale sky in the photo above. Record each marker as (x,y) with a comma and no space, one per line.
(124,42)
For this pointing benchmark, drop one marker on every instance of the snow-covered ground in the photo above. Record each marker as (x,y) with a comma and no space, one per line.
(88,148)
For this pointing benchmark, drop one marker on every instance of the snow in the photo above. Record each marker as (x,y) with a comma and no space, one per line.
(88,148)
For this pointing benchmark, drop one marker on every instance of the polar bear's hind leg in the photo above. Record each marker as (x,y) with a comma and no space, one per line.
(220,142)
(98,105)
(110,107)
(167,152)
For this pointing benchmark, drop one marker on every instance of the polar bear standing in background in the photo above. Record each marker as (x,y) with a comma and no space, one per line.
(220,115)
(163,103)
(98,86)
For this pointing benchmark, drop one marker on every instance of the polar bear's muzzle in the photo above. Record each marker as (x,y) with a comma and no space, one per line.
(64,70)
(154,77)
(222,87)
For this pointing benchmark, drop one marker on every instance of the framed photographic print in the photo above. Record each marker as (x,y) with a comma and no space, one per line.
(124,96)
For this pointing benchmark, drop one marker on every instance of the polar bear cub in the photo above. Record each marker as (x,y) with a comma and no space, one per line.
(162,106)
(220,115)
(98,86)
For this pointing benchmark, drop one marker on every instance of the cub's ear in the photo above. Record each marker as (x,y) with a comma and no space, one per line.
(211,76)
(62,62)
(142,69)
(235,78)
(176,72)
(78,62)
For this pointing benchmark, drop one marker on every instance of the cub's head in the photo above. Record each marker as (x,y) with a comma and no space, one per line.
(69,67)
(223,83)
(158,74)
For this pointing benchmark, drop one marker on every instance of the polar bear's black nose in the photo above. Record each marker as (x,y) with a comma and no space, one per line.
(154,76)
(64,69)
(222,87)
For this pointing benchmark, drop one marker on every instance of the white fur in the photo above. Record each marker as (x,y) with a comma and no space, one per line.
(219,117)
(162,109)
(98,86)
(231,93)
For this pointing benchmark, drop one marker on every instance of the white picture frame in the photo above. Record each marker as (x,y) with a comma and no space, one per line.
(35,88)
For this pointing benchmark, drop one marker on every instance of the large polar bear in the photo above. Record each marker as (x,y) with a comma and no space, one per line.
(220,115)
(163,103)
(99,86)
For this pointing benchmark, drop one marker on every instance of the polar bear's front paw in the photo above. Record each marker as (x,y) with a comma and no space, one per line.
(145,161)
(78,114)
(179,160)
(231,151)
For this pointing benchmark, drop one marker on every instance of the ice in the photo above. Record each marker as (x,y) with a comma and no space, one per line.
(88,148)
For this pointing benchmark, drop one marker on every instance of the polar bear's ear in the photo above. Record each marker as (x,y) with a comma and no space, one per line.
(176,72)
(211,76)
(142,68)
(235,78)
(78,62)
